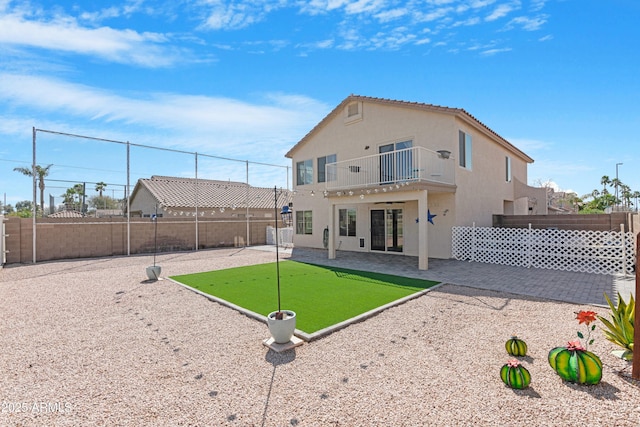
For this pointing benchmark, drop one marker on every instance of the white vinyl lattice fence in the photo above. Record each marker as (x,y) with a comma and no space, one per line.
(610,252)
(285,236)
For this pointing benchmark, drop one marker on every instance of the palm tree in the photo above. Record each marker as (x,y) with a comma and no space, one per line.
(605,181)
(625,194)
(615,182)
(100,186)
(636,195)
(79,189)
(41,173)
(69,198)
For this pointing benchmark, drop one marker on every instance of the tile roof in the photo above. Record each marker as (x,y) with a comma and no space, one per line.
(66,214)
(180,193)
(418,105)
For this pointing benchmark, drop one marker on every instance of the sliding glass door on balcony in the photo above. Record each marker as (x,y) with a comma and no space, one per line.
(396,162)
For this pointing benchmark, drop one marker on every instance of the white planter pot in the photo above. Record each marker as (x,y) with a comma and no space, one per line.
(282,329)
(153,272)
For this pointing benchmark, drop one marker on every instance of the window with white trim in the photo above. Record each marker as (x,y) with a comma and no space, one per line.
(347,222)
(322,163)
(304,172)
(507,168)
(464,154)
(304,222)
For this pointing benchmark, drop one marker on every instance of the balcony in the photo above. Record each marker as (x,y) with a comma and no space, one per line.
(416,165)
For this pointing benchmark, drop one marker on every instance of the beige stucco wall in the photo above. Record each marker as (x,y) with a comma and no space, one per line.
(481,192)
(143,202)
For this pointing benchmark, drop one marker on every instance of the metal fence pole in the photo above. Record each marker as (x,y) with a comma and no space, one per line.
(196,196)
(127,196)
(35,208)
(247,243)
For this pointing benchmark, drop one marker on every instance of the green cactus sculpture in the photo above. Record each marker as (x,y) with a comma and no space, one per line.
(575,364)
(515,375)
(516,347)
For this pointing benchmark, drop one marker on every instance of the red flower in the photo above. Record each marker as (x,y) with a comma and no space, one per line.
(513,363)
(586,317)
(575,345)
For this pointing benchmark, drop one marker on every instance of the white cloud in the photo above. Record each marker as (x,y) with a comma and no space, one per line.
(110,12)
(528,23)
(392,40)
(392,14)
(321,44)
(478,4)
(364,6)
(490,52)
(232,17)
(537,5)
(528,145)
(222,15)
(315,7)
(358,27)
(128,8)
(279,118)
(467,22)
(502,10)
(63,34)
(440,2)
(432,15)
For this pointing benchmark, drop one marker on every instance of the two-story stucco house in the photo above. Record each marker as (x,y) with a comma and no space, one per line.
(379,175)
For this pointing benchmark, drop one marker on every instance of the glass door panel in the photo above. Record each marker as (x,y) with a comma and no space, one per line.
(395,232)
(387,230)
(396,162)
(377,230)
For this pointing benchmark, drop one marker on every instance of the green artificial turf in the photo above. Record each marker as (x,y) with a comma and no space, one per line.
(321,296)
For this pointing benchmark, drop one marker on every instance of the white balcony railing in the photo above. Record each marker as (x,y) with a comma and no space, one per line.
(416,164)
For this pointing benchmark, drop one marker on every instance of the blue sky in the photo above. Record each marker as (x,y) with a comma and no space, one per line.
(247,79)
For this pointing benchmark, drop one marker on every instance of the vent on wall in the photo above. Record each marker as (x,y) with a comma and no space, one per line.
(353,113)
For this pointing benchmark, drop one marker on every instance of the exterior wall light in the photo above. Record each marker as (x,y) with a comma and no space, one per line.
(444,154)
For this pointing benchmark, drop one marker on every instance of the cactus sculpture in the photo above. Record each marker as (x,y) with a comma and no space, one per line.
(575,364)
(516,347)
(515,375)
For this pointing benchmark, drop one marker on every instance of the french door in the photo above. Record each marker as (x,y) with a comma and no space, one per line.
(396,162)
(387,230)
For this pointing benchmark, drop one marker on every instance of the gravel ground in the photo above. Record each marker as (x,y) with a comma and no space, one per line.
(90,342)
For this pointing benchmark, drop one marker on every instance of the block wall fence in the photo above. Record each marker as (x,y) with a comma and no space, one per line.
(592,222)
(65,238)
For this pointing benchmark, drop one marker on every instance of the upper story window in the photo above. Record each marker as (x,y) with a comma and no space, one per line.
(304,172)
(464,144)
(322,172)
(507,169)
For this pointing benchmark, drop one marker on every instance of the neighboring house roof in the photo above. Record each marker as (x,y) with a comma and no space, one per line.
(459,112)
(179,192)
(66,214)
